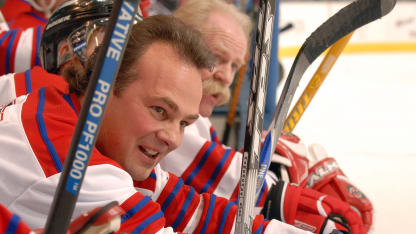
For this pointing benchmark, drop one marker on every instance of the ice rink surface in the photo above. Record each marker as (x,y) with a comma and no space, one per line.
(364,114)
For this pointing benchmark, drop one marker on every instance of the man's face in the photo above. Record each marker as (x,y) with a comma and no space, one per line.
(147,120)
(226,39)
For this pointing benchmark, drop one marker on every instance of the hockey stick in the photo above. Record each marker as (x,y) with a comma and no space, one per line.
(345,21)
(286,27)
(315,82)
(250,161)
(89,121)
(236,93)
(348,19)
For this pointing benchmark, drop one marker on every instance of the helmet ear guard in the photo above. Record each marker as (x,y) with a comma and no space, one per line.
(81,42)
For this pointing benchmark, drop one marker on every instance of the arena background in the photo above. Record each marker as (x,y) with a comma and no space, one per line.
(365,112)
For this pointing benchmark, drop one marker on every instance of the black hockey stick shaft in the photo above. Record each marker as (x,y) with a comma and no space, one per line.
(348,19)
(89,121)
(254,127)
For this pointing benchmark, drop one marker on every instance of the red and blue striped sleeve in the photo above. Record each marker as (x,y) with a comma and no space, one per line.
(18,49)
(188,211)
(214,163)
(11,223)
(142,215)
(208,167)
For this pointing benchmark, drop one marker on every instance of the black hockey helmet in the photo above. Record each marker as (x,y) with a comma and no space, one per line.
(69,29)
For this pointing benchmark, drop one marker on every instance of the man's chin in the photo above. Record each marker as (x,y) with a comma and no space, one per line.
(140,174)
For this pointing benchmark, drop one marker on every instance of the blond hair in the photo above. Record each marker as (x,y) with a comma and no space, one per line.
(196,12)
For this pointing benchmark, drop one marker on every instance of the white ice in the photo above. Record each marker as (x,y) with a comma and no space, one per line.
(364,114)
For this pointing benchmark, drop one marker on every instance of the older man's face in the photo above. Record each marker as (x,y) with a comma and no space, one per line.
(226,39)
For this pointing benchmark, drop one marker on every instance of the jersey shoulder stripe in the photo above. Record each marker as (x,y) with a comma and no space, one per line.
(55,118)
(32,115)
(68,99)
(44,133)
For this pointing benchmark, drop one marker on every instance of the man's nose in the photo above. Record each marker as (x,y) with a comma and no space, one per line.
(171,136)
(224,74)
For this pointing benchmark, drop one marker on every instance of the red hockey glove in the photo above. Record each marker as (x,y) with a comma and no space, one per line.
(326,176)
(289,162)
(106,219)
(311,210)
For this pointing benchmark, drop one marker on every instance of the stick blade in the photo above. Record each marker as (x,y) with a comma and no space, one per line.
(348,19)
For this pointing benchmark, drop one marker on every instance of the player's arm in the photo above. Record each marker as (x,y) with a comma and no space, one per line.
(186,210)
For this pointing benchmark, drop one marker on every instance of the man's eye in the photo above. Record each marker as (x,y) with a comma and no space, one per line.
(159,110)
(235,67)
(184,124)
(220,60)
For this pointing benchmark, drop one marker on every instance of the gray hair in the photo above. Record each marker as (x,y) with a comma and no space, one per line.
(196,12)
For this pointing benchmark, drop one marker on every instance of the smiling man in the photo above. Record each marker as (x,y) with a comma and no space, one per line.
(152,111)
